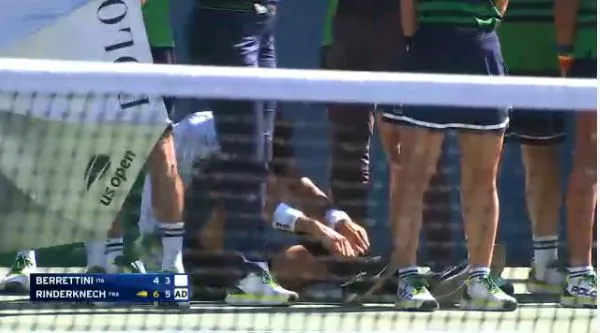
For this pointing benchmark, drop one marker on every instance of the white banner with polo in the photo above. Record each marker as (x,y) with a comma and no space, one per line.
(67,161)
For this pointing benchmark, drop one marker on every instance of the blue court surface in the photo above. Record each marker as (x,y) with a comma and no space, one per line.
(17,314)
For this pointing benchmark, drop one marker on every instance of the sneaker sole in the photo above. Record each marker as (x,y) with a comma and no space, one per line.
(572,302)
(422,306)
(535,287)
(486,305)
(15,288)
(233,299)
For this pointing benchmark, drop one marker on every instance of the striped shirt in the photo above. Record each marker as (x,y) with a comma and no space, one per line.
(475,13)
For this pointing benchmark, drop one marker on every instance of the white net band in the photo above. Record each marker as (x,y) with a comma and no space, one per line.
(66,77)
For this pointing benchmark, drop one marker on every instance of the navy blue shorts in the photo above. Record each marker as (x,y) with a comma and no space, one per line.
(443,50)
(536,127)
(584,68)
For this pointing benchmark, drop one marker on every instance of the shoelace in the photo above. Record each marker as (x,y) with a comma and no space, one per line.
(21,262)
(417,282)
(490,284)
(591,279)
(268,279)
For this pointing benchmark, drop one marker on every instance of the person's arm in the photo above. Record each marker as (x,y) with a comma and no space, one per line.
(408,17)
(565,24)
(317,206)
(502,6)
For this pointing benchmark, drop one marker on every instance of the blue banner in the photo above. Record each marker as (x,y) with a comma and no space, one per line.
(68,287)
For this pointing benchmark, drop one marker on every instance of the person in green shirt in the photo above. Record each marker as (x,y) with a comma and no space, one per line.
(529,49)
(575,22)
(157,18)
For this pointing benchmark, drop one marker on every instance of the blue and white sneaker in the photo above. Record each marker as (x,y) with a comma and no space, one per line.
(580,292)
(412,294)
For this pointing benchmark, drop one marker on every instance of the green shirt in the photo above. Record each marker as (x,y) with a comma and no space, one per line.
(585,39)
(474,13)
(328,31)
(528,37)
(157,17)
(530,11)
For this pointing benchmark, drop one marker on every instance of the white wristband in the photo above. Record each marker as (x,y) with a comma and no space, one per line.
(335,216)
(285,217)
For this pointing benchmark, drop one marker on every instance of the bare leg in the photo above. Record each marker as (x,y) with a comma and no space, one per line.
(412,165)
(581,289)
(167,201)
(480,156)
(542,183)
(581,192)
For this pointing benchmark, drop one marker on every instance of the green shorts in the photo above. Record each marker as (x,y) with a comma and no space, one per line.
(528,47)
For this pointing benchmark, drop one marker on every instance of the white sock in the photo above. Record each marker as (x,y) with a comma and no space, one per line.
(172,242)
(545,251)
(408,271)
(475,272)
(95,253)
(113,249)
(579,271)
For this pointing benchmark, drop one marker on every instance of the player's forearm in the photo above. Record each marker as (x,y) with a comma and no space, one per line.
(502,6)
(565,21)
(314,201)
(408,17)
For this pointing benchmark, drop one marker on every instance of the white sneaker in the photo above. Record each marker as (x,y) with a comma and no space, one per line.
(552,282)
(580,292)
(259,288)
(412,294)
(482,294)
(17,279)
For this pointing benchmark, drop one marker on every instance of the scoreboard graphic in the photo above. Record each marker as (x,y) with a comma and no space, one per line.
(136,288)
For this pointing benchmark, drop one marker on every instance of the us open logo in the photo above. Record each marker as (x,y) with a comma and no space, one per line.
(96,170)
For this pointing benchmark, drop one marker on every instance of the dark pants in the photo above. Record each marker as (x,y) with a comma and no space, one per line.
(245,39)
(164,55)
(368,43)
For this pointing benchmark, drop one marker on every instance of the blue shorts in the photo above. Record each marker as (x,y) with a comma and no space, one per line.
(443,50)
(584,68)
(536,127)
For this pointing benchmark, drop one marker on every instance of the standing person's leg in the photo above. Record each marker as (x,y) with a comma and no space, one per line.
(438,49)
(541,135)
(234,38)
(362,41)
(581,196)
(167,187)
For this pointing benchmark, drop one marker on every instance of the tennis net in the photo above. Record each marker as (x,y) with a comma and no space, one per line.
(75,137)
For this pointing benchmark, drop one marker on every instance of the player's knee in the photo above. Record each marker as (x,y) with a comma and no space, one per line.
(295,267)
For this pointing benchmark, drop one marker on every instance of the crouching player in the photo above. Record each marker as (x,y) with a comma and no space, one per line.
(350,241)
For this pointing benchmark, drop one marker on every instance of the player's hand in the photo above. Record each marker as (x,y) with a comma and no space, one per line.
(355,234)
(337,244)
(143,1)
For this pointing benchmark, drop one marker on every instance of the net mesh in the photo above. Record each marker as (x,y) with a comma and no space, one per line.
(74,143)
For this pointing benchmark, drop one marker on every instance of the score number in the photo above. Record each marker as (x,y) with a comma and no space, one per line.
(167,281)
